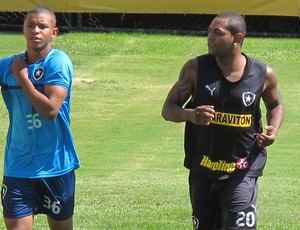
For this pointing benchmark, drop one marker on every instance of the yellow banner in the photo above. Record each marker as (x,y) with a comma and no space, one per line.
(245,7)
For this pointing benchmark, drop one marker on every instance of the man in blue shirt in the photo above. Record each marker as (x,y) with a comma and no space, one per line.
(40,157)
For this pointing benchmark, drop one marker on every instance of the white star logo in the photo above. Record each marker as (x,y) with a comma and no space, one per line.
(248,98)
(38,73)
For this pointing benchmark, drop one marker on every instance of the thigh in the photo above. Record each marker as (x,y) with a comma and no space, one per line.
(204,202)
(57,196)
(238,199)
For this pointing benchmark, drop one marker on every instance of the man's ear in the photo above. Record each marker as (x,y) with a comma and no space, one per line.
(238,38)
(54,32)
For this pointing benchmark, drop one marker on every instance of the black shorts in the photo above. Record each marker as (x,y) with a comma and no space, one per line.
(53,196)
(228,204)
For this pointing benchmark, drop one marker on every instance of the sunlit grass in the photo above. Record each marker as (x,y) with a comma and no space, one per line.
(132,174)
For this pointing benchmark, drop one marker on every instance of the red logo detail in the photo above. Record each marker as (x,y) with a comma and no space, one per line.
(242,164)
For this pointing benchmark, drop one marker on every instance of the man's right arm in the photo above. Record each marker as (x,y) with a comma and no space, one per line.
(180,93)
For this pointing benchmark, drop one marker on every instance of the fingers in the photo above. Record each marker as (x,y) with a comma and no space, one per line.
(269,129)
(18,64)
(204,114)
(265,139)
(19,61)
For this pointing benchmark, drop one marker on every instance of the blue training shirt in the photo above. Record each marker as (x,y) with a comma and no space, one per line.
(37,147)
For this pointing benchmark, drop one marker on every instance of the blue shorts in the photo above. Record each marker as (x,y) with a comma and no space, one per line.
(53,196)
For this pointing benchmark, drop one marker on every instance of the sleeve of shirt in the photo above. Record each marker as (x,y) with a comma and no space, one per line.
(5,68)
(59,70)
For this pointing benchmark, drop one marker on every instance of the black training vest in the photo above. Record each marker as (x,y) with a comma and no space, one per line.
(227,146)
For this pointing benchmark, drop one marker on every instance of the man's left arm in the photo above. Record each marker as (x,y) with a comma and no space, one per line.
(275,109)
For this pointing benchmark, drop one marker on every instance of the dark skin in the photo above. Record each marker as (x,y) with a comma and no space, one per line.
(227,50)
(39,29)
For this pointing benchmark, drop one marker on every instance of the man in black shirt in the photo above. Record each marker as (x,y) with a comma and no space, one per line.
(225,143)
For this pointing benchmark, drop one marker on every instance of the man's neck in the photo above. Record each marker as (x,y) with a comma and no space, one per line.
(36,55)
(232,67)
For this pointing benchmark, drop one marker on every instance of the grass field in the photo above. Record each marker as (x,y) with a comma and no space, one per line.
(132,175)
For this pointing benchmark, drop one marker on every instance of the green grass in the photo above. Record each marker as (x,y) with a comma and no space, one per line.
(132,175)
